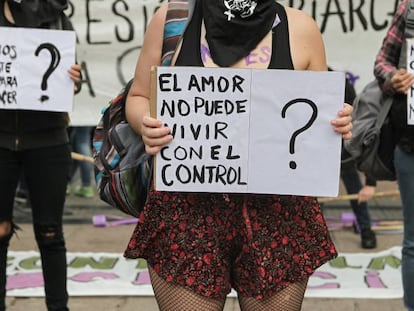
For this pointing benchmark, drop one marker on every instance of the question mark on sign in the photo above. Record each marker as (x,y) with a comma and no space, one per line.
(292,164)
(54,62)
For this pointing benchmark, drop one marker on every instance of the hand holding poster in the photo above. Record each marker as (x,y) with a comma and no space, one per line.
(249,131)
(33,69)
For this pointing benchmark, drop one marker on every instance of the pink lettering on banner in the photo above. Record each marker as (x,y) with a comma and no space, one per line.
(24,280)
(142,278)
(90,276)
(325,276)
(373,280)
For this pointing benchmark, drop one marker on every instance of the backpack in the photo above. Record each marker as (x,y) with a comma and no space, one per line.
(123,170)
(372,144)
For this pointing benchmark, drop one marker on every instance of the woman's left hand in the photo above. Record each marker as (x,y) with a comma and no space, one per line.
(343,123)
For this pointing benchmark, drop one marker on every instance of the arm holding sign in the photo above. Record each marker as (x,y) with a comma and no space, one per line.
(137,108)
(392,78)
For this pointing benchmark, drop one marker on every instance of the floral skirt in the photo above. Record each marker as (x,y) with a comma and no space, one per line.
(210,243)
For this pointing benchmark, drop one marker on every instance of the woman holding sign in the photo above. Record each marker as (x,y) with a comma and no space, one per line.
(201,245)
(36,143)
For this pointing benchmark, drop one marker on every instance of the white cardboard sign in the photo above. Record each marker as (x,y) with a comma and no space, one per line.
(33,69)
(249,130)
(410,69)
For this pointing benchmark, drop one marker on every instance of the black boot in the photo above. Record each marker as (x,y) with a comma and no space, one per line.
(368,239)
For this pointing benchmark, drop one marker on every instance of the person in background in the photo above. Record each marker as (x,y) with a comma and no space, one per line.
(353,185)
(394,79)
(200,245)
(80,140)
(36,143)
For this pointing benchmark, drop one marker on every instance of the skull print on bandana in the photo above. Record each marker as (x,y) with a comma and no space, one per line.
(235,27)
(244,8)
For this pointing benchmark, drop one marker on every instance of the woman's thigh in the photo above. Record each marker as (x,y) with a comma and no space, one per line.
(9,176)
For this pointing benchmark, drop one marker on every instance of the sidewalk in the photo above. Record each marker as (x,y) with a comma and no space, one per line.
(82,236)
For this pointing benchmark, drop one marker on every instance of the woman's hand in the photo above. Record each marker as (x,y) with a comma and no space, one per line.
(402,80)
(366,193)
(75,75)
(343,123)
(154,134)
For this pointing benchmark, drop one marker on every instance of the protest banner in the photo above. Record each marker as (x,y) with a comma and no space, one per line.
(110,35)
(350,275)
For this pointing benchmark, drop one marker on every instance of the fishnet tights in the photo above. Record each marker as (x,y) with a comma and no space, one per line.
(172,297)
(288,299)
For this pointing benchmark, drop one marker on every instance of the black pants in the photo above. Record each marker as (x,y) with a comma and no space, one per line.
(46,173)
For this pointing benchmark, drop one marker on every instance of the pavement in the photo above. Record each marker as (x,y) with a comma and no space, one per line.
(82,236)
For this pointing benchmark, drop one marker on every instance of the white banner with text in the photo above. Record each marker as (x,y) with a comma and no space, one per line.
(110,35)
(350,275)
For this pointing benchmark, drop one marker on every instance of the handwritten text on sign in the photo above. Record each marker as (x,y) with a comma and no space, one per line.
(410,69)
(33,69)
(254,131)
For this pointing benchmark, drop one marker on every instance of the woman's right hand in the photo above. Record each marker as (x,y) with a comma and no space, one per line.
(155,135)
(402,80)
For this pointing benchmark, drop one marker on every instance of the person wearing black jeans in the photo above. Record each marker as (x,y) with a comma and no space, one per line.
(46,169)
(353,185)
(36,143)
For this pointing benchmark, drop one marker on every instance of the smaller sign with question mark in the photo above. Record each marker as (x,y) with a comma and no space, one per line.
(296,110)
(37,68)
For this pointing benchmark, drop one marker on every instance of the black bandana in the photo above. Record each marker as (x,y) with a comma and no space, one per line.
(235,27)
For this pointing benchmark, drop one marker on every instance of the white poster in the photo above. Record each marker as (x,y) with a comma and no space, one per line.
(249,130)
(410,94)
(33,69)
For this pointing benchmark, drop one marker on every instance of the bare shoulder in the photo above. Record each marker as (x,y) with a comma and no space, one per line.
(301,22)
(152,44)
(307,47)
(158,18)
(150,54)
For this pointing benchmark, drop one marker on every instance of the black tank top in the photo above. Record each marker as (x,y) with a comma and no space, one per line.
(281,57)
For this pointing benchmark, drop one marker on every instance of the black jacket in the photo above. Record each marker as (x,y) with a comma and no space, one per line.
(26,129)
(36,13)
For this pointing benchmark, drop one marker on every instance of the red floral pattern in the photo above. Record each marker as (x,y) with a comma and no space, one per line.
(257,244)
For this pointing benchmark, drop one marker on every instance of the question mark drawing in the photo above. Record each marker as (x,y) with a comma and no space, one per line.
(292,164)
(54,62)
